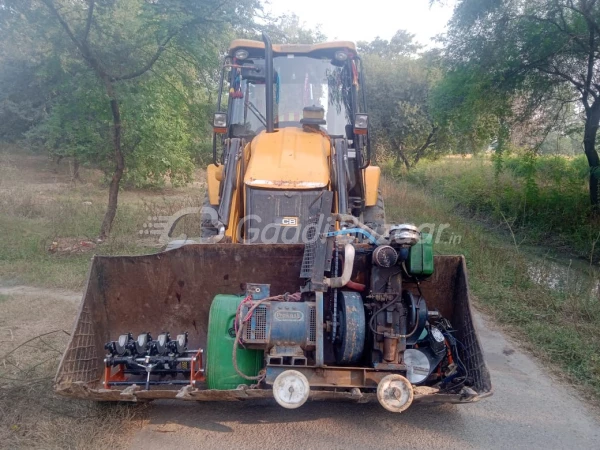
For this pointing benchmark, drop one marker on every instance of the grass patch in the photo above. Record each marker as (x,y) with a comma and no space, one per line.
(25,243)
(39,207)
(544,200)
(561,326)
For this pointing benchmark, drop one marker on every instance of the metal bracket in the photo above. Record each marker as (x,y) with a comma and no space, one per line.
(258,291)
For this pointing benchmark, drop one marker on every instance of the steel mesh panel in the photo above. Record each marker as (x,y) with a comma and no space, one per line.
(472,356)
(469,347)
(81,359)
(260,330)
(308,260)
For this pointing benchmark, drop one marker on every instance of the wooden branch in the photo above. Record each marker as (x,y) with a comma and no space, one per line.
(428,142)
(591,60)
(585,14)
(163,45)
(563,29)
(83,47)
(88,23)
(563,75)
(150,63)
(33,339)
(50,5)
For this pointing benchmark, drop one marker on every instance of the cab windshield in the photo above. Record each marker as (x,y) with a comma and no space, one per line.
(300,81)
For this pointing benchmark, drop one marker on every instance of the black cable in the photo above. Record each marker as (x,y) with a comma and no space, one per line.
(394,301)
(456,356)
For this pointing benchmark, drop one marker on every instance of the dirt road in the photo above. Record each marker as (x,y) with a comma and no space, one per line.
(529,409)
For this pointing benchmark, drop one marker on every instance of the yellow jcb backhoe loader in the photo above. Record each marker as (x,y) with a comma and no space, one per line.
(296,288)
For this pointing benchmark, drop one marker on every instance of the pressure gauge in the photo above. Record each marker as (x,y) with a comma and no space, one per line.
(291,389)
(437,334)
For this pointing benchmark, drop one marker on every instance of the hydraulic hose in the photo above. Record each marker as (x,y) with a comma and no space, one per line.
(348,218)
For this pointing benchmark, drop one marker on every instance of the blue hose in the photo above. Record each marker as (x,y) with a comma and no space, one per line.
(353,231)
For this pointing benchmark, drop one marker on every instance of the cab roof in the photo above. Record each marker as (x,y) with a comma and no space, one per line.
(256,48)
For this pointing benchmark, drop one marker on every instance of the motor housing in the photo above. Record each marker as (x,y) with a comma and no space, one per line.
(286,330)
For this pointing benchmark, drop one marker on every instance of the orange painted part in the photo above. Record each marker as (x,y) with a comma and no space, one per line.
(197,375)
(449,353)
(109,376)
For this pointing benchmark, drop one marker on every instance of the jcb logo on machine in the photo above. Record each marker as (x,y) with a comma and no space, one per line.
(289,221)
(289,316)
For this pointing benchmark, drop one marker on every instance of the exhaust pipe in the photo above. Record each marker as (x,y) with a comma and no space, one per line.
(269,82)
(342,281)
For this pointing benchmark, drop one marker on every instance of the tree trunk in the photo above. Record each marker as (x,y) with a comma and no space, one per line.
(57,161)
(400,156)
(75,176)
(589,144)
(113,190)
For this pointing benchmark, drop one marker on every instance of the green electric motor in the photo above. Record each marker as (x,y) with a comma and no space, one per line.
(220,373)
(420,257)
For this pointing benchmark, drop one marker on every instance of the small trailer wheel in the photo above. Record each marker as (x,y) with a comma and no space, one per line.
(395,393)
(291,389)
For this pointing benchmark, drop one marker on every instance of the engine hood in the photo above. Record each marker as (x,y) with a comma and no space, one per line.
(289,159)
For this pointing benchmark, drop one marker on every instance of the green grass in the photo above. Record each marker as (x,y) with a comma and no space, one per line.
(24,244)
(39,207)
(30,225)
(543,200)
(562,327)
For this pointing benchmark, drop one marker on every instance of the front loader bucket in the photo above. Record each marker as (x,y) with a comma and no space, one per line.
(172,291)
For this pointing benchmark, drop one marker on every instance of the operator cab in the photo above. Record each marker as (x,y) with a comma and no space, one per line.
(305,78)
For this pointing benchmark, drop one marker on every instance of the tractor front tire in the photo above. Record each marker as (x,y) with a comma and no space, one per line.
(207,229)
(374,216)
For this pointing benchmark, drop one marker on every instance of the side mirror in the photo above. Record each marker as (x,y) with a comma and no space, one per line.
(254,71)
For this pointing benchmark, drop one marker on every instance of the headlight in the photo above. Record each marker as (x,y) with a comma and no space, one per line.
(361,123)
(241,54)
(220,122)
(341,55)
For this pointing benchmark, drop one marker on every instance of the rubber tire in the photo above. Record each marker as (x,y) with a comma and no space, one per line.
(207,230)
(374,216)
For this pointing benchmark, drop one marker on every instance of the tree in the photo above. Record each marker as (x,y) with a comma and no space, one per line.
(402,44)
(536,50)
(472,114)
(288,29)
(399,84)
(121,45)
